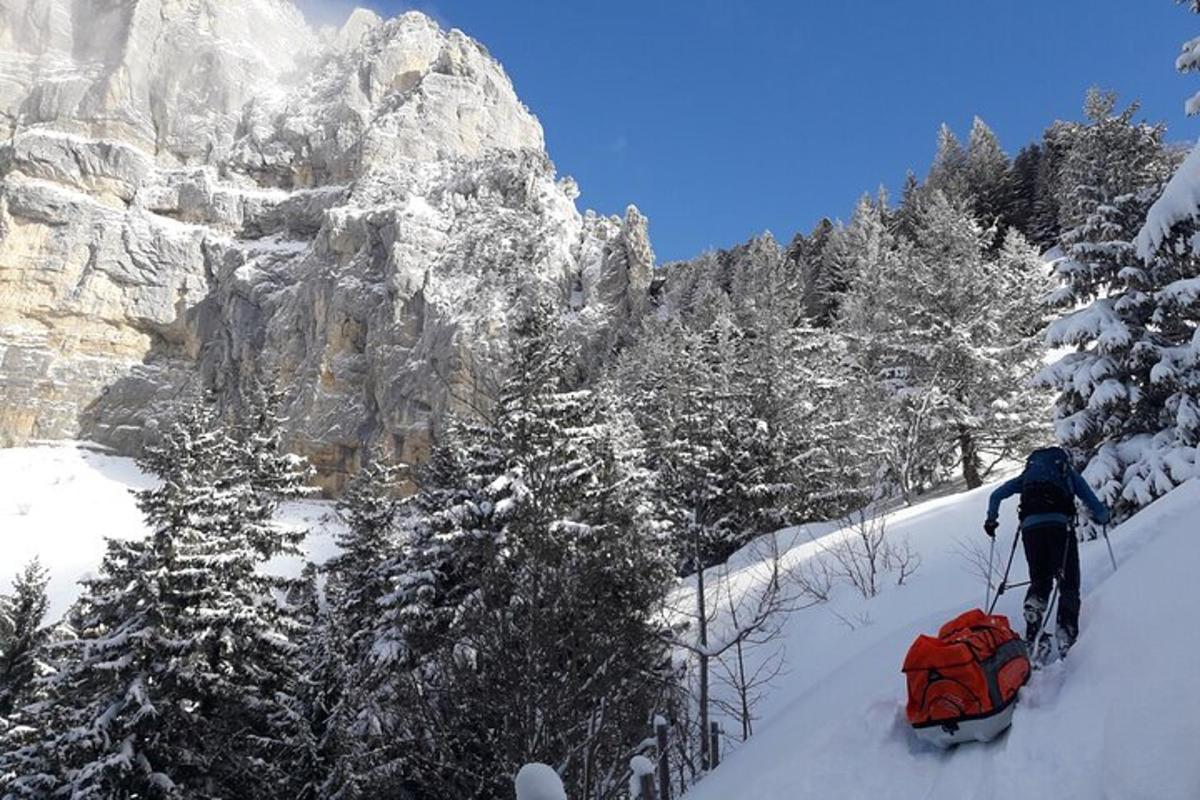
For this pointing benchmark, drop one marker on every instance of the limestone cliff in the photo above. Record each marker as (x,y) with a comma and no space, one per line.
(193,192)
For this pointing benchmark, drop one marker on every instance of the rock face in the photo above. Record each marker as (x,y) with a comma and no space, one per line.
(199,192)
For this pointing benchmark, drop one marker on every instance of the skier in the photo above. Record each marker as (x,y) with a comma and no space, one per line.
(1048,487)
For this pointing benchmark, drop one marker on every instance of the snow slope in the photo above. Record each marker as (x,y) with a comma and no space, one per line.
(1119,719)
(59,502)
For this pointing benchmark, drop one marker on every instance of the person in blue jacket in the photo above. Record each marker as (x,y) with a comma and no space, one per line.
(1048,487)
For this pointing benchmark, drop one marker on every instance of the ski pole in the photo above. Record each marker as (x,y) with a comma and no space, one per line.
(1110,550)
(1050,609)
(987,597)
(1003,581)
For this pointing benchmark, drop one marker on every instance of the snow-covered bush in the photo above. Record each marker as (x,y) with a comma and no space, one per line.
(539,782)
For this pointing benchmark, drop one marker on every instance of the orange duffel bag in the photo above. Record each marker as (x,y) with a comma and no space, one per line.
(963,685)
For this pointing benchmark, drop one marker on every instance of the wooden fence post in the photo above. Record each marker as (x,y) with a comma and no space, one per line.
(641,780)
(714,747)
(664,763)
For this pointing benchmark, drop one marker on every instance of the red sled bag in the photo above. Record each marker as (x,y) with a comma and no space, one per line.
(963,685)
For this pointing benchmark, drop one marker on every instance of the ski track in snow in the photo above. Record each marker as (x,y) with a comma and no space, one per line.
(60,501)
(1119,719)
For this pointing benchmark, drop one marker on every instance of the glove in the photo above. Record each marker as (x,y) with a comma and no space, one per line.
(990,526)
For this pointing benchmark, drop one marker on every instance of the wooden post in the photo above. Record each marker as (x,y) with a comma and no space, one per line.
(646,787)
(714,748)
(664,762)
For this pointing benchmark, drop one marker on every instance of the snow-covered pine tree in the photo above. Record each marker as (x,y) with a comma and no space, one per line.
(528,574)
(970,335)
(787,371)
(851,248)
(1020,191)
(22,636)
(894,448)
(175,686)
(1110,404)
(902,219)
(342,678)
(683,387)
(274,474)
(944,330)
(322,757)
(948,172)
(1164,294)
(986,168)
(806,258)
(1045,224)
(357,578)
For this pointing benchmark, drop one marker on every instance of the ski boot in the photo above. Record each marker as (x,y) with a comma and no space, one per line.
(1066,637)
(1043,653)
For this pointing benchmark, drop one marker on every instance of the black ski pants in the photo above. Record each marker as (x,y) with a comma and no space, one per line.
(1049,548)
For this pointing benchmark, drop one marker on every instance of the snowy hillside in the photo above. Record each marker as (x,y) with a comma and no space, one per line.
(61,501)
(1119,719)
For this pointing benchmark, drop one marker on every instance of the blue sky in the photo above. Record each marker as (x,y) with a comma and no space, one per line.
(722,119)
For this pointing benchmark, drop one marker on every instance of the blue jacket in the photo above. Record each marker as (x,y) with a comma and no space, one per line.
(1082,491)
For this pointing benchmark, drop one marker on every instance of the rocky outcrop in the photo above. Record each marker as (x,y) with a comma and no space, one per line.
(195,193)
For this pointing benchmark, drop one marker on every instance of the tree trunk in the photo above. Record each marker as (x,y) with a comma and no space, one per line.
(743,691)
(970,458)
(702,615)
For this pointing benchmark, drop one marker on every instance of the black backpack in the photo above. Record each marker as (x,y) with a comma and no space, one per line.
(1046,487)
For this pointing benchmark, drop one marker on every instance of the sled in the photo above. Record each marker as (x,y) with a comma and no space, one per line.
(963,684)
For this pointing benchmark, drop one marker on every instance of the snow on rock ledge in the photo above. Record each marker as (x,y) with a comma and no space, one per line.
(192,192)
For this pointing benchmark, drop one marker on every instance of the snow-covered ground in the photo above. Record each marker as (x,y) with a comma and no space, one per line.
(1119,719)
(59,502)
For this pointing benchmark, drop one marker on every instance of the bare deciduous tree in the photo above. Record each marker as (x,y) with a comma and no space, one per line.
(735,612)
(863,552)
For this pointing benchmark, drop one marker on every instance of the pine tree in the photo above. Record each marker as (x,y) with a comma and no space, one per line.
(850,249)
(948,172)
(529,575)
(1140,343)
(986,167)
(275,474)
(357,582)
(1020,192)
(322,759)
(176,683)
(811,258)
(902,221)
(1108,399)
(22,636)
(942,330)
